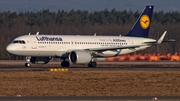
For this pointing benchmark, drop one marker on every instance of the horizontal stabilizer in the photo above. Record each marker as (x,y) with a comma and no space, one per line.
(170,40)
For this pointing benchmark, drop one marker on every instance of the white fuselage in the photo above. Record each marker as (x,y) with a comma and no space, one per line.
(60,45)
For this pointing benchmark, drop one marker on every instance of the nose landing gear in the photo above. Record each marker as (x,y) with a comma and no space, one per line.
(27,64)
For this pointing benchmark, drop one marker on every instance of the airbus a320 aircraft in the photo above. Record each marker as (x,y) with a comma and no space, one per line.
(83,49)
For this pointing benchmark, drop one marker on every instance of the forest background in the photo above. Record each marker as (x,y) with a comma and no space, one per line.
(82,22)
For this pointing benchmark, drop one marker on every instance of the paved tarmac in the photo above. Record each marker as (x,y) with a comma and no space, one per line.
(19,65)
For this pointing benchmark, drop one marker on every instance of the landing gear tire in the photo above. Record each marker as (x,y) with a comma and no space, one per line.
(92,64)
(27,64)
(65,64)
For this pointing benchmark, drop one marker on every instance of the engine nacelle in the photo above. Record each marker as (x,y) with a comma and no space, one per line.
(80,57)
(43,60)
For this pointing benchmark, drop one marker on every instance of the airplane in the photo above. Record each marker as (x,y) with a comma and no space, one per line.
(83,49)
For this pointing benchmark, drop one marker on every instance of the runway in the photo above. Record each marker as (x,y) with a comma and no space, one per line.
(19,65)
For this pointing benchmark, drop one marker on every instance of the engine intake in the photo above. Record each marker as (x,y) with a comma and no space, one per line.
(80,57)
(37,60)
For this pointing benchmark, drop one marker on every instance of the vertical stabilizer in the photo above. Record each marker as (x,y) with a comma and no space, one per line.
(142,25)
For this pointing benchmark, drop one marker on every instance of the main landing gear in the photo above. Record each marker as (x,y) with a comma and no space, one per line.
(65,64)
(27,64)
(92,64)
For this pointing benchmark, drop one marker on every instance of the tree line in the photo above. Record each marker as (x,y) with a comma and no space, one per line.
(82,22)
(80,17)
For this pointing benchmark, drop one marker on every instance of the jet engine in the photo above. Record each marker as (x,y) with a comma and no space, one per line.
(80,57)
(37,60)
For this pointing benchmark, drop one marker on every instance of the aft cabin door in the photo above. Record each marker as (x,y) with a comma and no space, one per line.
(33,43)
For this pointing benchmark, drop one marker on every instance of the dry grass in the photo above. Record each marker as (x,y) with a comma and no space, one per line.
(91,83)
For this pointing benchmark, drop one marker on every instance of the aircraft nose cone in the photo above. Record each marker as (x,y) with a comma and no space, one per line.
(13,49)
(9,48)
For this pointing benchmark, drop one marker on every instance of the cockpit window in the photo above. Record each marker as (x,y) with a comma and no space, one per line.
(19,41)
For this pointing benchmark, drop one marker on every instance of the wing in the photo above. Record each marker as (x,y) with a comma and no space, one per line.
(115,47)
(100,49)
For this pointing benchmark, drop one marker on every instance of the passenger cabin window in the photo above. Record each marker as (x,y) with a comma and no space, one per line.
(19,41)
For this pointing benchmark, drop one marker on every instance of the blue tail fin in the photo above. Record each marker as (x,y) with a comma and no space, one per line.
(142,25)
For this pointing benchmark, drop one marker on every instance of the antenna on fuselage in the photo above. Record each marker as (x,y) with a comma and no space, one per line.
(95,34)
(37,33)
(29,33)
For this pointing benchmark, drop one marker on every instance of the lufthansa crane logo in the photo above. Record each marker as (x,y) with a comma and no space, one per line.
(145,21)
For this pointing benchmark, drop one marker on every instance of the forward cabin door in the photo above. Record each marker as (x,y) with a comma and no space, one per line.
(33,43)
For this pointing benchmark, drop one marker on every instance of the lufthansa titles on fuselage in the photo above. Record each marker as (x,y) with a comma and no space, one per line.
(46,38)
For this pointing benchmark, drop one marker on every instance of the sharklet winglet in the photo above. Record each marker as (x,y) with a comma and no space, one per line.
(161,38)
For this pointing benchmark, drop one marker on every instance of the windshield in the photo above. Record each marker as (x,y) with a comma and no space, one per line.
(19,41)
